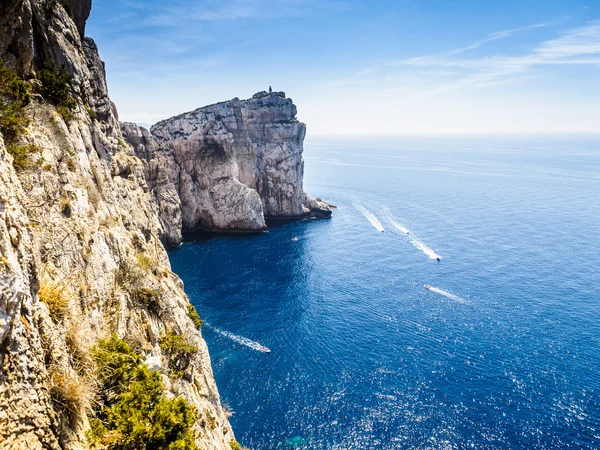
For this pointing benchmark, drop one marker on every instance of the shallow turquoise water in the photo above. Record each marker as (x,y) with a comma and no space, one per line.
(502,352)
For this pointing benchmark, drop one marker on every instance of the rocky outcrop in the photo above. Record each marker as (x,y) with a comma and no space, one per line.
(158,170)
(204,176)
(234,165)
(79,221)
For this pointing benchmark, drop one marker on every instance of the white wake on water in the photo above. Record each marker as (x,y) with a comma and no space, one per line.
(416,242)
(397,226)
(370,217)
(446,294)
(240,339)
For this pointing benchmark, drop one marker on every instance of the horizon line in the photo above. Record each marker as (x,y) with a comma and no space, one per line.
(428,133)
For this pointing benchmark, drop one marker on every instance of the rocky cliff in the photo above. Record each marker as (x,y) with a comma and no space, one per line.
(231,166)
(86,291)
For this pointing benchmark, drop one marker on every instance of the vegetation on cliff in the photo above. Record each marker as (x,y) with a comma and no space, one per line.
(179,352)
(53,84)
(14,98)
(134,411)
(193,314)
(55,87)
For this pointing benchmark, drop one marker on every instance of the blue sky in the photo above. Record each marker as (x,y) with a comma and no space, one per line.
(361,67)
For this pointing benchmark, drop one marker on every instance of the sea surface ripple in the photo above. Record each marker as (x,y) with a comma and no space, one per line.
(501,353)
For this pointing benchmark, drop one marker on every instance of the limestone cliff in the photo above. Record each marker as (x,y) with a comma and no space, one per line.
(227,167)
(81,256)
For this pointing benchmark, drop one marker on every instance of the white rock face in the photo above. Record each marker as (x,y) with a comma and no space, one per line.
(78,218)
(233,165)
(158,175)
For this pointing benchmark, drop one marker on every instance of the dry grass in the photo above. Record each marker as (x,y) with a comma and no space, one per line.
(54,296)
(73,393)
(81,359)
(71,164)
(227,410)
(93,193)
(146,262)
(129,276)
(211,421)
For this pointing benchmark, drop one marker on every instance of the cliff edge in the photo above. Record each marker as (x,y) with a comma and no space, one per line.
(99,345)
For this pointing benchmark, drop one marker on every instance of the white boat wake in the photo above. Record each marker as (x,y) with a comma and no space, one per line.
(413,239)
(370,217)
(446,294)
(397,226)
(240,339)
(425,249)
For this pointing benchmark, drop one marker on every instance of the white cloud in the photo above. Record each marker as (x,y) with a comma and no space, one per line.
(494,37)
(579,46)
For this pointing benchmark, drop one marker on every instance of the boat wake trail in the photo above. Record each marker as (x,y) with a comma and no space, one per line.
(397,226)
(413,239)
(370,217)
(421,246)
(446,294)
(240,339)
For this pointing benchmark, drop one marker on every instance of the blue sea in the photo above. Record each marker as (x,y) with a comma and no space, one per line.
(501,350)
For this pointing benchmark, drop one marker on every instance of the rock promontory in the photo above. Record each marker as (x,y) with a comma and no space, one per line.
(231,166)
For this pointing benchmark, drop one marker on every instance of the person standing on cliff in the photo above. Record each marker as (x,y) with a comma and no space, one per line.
(270,90)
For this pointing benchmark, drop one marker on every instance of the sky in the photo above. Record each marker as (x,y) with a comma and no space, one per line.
(358,67)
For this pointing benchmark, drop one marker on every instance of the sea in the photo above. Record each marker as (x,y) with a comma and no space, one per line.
(374,343)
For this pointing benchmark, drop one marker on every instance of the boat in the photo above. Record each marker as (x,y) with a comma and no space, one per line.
(428,286)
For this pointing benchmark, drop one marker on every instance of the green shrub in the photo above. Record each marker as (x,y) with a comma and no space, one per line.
(178,352)
(91,112)
(14,97)
(22,156)
(55,87)
(13,121)
(193,314)
(147,298)
(135,414)
(66,112)
(235,445)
